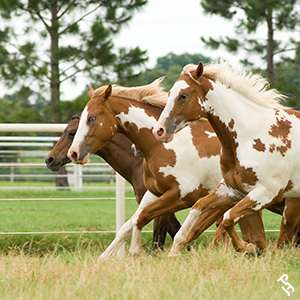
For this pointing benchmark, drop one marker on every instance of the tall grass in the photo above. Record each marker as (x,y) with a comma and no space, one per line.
(203,273)
(66,266)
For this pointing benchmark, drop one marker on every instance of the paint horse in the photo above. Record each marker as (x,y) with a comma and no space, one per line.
(260,140)
(171,181)
(117,153)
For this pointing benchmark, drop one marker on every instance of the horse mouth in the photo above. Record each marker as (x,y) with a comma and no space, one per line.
(55,164)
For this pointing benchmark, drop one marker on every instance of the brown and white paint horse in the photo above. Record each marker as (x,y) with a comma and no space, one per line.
(260,144)
(117,153)
(171,181)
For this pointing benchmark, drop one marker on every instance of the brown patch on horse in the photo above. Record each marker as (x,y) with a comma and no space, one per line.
(259,145)
(248,176)
(289,186)
(272,148)
(231,124)
(199,131)
(281,131)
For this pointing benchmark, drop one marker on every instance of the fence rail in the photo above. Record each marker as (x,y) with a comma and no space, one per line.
(17,141)
(78,176)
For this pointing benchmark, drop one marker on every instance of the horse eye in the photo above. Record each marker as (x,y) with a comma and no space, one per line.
(182,97)
(71,134)
(92,119)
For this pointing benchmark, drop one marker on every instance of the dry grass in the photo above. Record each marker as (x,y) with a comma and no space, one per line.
(200,274)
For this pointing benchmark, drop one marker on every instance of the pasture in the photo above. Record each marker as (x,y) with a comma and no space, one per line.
(66,266)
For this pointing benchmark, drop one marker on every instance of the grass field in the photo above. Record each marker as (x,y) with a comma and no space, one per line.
(66,266)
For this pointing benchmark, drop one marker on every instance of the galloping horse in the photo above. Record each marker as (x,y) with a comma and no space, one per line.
(260,144)
(117,153)
(171,181)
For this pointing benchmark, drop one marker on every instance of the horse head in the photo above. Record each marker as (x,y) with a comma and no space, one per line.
(187,93)
(96,126)
(58,155)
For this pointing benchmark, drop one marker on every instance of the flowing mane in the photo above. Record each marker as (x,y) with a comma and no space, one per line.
(152,93)
(252,86)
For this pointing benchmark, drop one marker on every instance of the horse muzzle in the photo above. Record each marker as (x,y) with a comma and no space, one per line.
(78,158)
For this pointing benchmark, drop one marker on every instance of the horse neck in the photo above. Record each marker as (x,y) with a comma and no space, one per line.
(118,154)
(230,113)
(137,122)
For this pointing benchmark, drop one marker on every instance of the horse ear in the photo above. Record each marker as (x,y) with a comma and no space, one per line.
(91,91)
(107,92)
(199,71)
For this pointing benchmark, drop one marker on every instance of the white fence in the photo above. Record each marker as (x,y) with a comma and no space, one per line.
(17,142)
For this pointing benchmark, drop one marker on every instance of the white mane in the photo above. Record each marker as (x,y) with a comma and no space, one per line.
(252,86)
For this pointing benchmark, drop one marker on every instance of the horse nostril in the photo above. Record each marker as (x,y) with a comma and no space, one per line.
(160,131)
(49,160)
(74,156)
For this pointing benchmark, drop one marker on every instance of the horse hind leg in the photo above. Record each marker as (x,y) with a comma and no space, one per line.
(247,206)
(219,197)
(290,222)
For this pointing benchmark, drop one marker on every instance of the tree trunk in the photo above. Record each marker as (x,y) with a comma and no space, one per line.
(61,181)
(55,81)
(270,46)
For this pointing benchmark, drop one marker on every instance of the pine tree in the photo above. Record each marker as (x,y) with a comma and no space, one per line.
(273,15)
(43,43)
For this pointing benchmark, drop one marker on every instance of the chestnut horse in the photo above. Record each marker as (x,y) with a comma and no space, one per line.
(117,153)
(171,181)
(260,141)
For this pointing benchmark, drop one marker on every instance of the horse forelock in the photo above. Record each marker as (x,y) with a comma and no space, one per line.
(152,93)
(252,86)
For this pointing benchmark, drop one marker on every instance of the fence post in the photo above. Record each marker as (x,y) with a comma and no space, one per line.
(79,174)
(120,207)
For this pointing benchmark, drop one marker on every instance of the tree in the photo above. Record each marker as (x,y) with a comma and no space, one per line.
(169,66)
(273,15)
(288,79)
(51,41)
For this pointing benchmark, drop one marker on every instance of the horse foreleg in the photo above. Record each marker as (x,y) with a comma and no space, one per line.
(161,226)
(205,221)
(127,230)
(159,231)
(220,196)
(136,240)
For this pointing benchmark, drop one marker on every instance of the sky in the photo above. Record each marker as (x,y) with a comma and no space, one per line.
(164,26)
(161,27)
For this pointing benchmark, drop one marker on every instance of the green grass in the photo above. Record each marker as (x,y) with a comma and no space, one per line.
(85,215)
(66,266)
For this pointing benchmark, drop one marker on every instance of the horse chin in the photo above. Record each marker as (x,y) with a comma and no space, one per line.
(169,137)
(83,161)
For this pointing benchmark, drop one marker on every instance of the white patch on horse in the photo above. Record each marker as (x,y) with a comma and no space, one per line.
(284,216)
(248,128)
(211,134)
(226,215)
(226,191)
(190,170)
(138,116)
(82,130)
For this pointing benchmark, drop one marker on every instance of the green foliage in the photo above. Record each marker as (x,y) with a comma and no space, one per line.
(273,15)
(288,80)
(26,54)
(169,66)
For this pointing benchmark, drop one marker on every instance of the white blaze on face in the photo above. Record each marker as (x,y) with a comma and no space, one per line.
(174,92)
(82,131)
(190,170)
(138,116)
